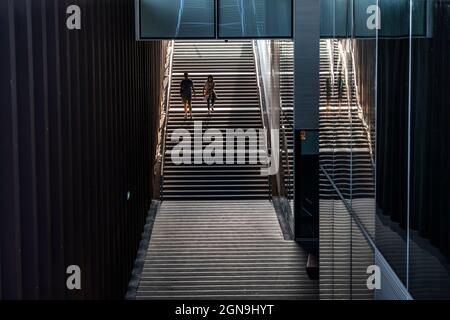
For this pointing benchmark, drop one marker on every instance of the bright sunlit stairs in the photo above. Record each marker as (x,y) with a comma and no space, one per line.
(233,66)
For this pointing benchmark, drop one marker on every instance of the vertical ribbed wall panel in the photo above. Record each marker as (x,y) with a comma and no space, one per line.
(79,111)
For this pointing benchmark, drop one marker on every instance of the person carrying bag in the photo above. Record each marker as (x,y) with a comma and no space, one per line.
(210,93)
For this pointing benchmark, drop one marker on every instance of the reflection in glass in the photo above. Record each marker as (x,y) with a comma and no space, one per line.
(429,267)
(413,133)
(392,145)
(347,156)
(348,191)
(255,19)
(385,118)
(174,19)
(351,18)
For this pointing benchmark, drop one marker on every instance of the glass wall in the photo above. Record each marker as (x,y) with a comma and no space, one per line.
(344,18)
(392,127)
(392,145)
(255,19)
(177,19)
(384,130)
(210,19)
(347,154)
(413,176)
(429,214)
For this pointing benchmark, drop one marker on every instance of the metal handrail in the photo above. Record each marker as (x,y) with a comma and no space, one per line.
(261,94)
(360,109)
(330,45)
(286,152)
(350,209)
(262,101)
(285,147)
(344,58)
(263,106)
(346,75)
(162,96)
(166,106)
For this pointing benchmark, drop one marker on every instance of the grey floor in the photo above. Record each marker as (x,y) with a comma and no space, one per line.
(223,250)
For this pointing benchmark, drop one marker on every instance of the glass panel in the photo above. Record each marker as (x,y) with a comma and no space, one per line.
(344,18)
(335,248)
(362,73)
(255,19)
(362,256)
(429,268)
(175,19)
(392,143)
(335,160)
(334,20)
(360,69)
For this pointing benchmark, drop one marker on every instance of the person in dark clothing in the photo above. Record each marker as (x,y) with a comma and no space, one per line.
(186,89)
(340,89)
(210,93)
(328,92)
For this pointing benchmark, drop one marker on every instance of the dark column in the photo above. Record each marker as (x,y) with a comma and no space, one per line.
(306,115)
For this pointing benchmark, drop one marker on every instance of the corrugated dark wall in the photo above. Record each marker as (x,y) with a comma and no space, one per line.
(78,115)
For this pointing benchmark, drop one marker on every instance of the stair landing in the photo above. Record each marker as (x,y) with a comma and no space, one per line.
(223,250)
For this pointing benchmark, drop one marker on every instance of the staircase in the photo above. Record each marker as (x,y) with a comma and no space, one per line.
(233,67)
(216,234)
(344,145)
(345,155)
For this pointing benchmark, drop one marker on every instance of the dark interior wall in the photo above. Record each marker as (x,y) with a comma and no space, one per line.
(430,214)
(392,128)
(430,130)
(78,129)
(430,170)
